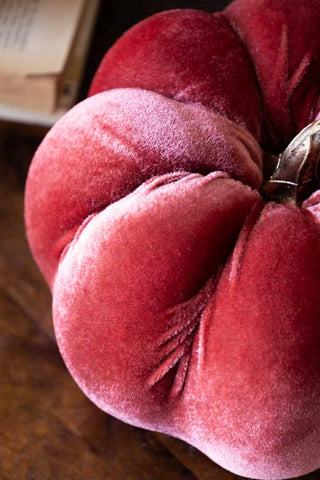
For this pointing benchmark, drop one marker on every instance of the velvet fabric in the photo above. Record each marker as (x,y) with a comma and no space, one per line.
(190,56)
(182,301)
(282,38)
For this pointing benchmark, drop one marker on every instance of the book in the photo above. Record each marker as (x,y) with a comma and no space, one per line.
(43,46)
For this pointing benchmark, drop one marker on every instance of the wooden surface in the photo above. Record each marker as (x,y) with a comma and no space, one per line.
(48,429)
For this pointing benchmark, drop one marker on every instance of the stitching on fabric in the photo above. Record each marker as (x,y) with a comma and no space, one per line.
(176,345)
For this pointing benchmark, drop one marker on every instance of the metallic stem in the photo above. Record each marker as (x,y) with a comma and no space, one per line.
(297,172)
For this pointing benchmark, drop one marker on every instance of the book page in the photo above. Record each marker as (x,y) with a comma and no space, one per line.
(36,35)
(75,63)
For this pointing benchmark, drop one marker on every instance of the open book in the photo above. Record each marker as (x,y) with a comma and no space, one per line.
(43,45)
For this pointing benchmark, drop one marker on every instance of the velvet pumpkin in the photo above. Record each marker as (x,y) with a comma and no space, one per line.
(182,301)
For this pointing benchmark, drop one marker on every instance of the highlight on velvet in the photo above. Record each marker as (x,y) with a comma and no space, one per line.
(185,292)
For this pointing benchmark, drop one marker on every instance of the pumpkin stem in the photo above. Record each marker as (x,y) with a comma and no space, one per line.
(297,171)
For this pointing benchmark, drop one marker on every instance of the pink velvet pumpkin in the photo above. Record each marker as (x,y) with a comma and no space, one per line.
(182,301)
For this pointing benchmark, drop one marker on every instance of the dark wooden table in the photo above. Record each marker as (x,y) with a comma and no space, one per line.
(48,429)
